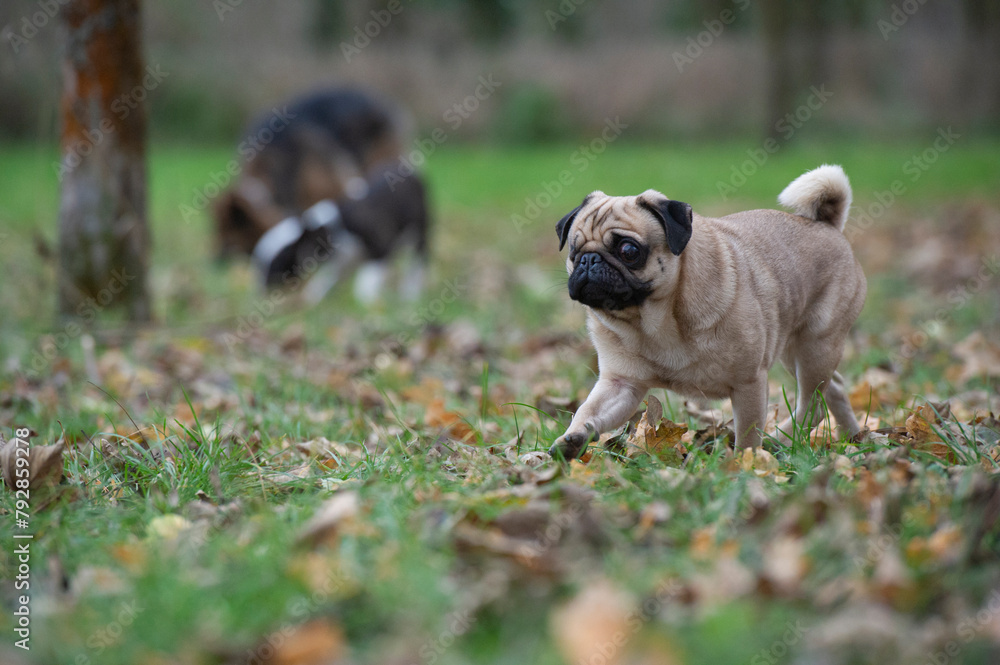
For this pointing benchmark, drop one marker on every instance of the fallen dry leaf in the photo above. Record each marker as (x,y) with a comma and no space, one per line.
(425,392)
(785,564)
(676,478)
(703,542)
(653,513)
(132,555)
(654,412)
(319,642)
(595,623)
(323,572)
(584,472)
(533,555)
(979,356)
(945,544)
(761,462)
(863,628)
(44,465)
(920,424)
(330,518)
(876,389)
(97,581)
(891,579)
(727,579)
(145,435)
(167,527)
(331,454)
(655,436)
(822,435)
(439,417)
(289,478)
(922,428)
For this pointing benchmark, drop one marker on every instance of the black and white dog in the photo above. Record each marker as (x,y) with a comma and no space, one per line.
(320,195)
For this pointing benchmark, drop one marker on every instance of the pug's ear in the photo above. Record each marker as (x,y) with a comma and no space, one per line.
(675,216)
(563,225)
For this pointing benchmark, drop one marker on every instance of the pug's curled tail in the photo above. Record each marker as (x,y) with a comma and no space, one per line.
(823,194)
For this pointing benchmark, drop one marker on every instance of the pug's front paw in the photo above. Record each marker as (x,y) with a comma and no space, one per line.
(572,444)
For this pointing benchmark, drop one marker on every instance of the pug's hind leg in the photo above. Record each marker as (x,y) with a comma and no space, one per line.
(609,405)
(840,406)
(814,375)
(750,411)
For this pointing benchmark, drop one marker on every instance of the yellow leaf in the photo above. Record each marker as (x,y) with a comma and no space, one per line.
(167,527)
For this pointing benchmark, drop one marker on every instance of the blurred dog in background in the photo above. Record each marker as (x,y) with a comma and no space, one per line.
(319,196)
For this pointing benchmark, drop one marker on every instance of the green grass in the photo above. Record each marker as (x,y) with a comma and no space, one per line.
(423,543)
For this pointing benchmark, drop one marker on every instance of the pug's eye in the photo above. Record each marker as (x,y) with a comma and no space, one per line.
(628,252)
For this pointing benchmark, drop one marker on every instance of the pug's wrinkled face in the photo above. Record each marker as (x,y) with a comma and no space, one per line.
(622,248)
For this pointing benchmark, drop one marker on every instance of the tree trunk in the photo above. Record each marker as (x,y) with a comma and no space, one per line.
(103,235)
(980,78)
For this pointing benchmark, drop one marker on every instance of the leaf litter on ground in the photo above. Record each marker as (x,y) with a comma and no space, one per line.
(395,437)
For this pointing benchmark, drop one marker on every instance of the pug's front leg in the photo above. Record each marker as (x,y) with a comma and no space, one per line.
(609,405)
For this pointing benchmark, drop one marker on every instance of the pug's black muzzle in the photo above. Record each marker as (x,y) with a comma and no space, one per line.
(598,284)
